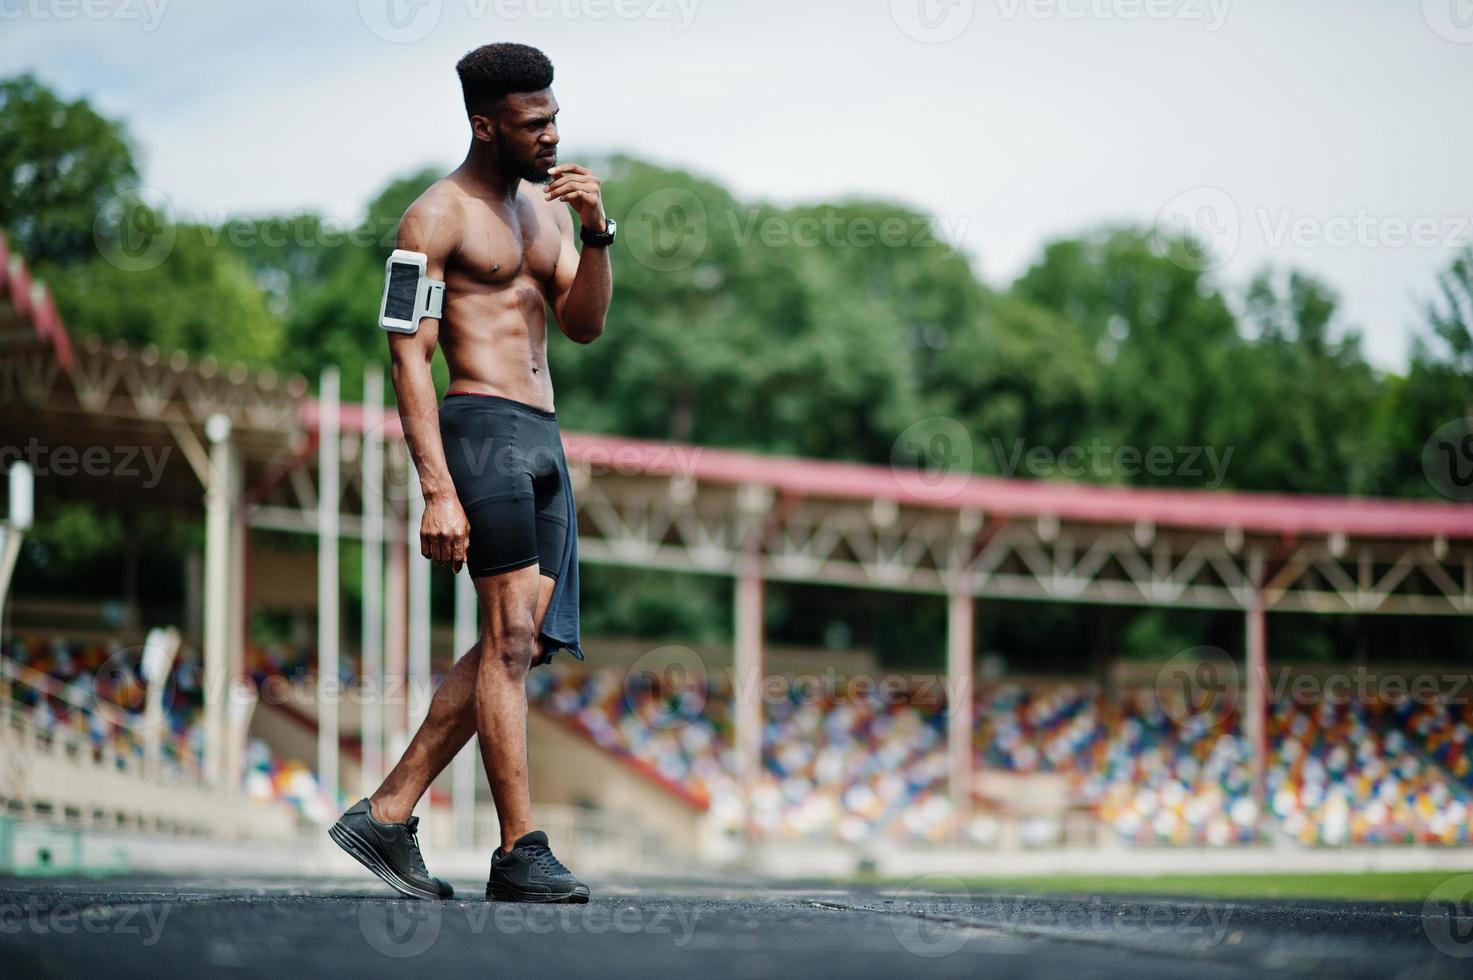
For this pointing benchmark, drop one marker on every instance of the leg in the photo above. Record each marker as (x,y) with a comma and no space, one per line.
(448,725)
(508,644)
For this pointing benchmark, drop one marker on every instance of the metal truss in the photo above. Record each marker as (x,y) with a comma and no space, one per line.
(881,545)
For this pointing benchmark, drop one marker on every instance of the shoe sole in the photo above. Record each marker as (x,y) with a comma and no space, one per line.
(362,852)
(507,894)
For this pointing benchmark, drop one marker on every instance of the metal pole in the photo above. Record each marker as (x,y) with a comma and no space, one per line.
(395,657)
(1255,718)
(960,640)
(419,610)
(372,721)
(240,542)
(328,450)
(748,644)
(17,522)
(217,593)
(463,771)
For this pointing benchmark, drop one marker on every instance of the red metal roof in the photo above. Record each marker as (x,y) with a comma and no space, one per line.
(1264,513)
(33,305)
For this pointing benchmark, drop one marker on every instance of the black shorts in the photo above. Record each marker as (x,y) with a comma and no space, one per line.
(506,459)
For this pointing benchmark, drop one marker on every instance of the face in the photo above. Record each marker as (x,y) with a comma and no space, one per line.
(523,128)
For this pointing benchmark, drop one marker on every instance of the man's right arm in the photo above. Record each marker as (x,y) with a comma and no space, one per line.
(433,229)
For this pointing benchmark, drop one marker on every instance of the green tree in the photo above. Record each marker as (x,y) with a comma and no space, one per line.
(60,163)
(1301,415)
(199,298)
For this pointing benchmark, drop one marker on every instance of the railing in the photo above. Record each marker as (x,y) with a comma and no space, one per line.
(109,774)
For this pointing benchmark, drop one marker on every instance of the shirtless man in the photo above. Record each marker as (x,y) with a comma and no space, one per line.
(498,233)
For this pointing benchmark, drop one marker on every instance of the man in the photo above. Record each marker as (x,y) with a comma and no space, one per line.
(498,234)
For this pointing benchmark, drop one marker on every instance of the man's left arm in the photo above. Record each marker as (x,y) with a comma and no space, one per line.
(584,282)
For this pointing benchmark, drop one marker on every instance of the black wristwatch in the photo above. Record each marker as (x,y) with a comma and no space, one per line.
(600,239)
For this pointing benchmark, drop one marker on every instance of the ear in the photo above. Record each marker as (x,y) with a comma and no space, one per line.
(483,128)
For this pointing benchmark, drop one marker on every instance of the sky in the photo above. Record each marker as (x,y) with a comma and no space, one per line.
(1326,135)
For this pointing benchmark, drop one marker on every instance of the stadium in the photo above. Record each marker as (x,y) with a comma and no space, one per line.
(855,699)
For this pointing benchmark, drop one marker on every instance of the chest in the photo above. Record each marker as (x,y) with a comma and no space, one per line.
(503,244)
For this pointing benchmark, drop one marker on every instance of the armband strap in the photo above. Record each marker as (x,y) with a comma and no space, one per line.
(408,293)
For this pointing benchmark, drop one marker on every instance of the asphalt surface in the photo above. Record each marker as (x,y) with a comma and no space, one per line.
(192,927)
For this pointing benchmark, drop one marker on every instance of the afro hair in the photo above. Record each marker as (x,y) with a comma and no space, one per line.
(494,70)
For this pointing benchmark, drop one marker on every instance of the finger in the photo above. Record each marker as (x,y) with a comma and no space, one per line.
(559,189)
(457,567)
(568,168)
(573,179)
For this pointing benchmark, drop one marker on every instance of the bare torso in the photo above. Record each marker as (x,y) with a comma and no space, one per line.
(498,283)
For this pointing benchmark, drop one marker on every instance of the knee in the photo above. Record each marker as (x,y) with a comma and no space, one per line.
(510,646)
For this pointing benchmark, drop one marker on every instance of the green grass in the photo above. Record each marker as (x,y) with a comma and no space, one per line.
(1391,886)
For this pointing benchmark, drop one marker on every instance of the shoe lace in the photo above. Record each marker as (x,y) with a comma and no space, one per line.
(542,855)
(411,830)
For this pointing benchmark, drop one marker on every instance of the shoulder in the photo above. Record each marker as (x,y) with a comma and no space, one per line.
(433,222)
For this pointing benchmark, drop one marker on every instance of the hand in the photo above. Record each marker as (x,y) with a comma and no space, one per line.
(444,533)
(578,188)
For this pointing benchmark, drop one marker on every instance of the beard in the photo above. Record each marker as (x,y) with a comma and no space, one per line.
(536,172)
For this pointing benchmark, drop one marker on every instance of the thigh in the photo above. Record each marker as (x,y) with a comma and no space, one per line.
(508,599)
(503,531)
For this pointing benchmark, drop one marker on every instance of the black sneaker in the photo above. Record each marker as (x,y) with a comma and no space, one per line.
(389,850)
(531,874)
